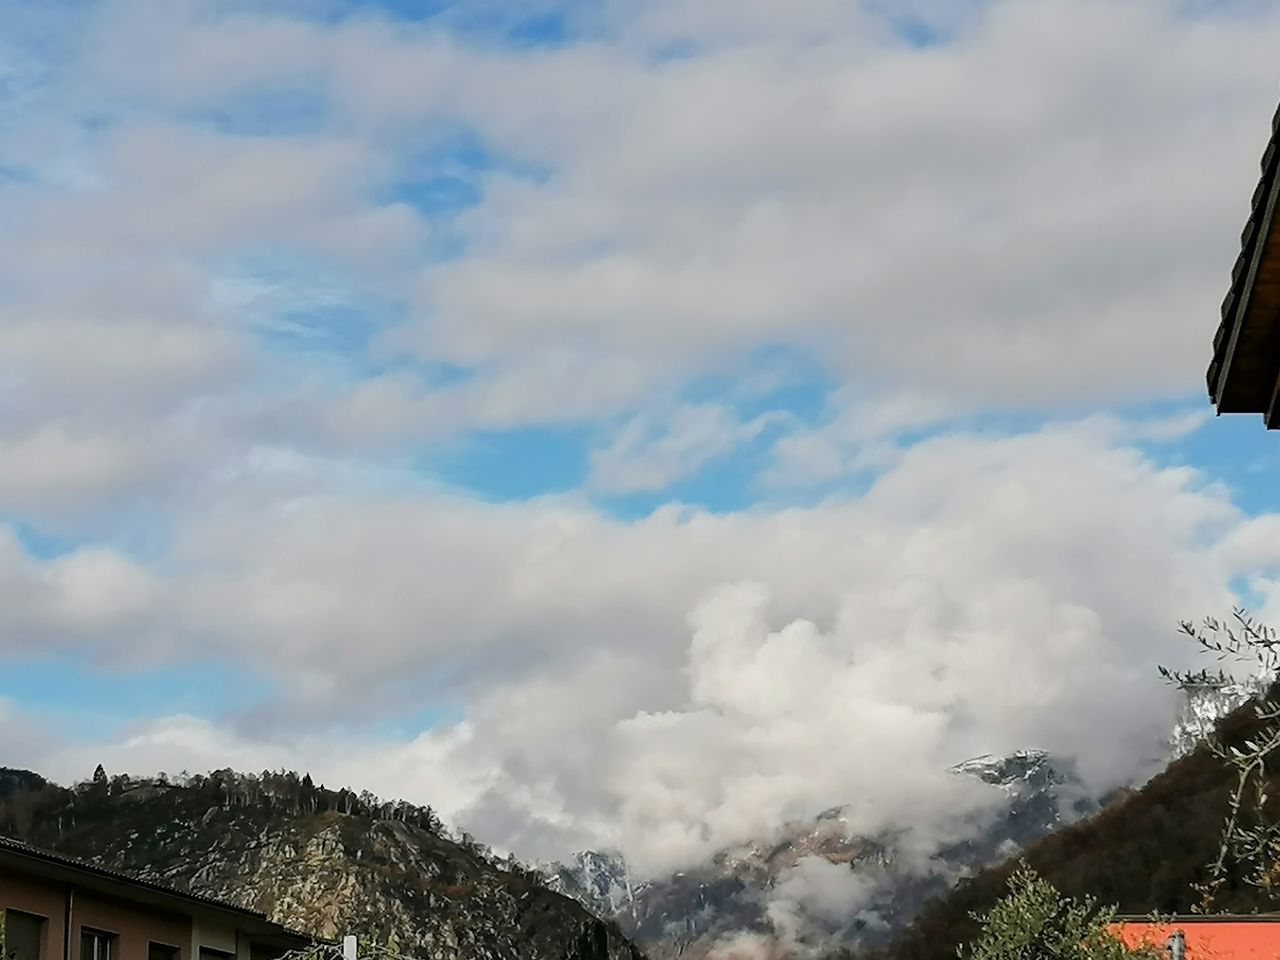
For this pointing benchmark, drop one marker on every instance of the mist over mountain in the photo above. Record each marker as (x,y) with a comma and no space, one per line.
(816,883)
(331,861)
(1145,851)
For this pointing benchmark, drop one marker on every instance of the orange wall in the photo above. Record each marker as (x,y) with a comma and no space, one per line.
(135,927)
(1211,939)
(40,898)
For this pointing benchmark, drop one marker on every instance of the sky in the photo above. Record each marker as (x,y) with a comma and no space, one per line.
(620,423)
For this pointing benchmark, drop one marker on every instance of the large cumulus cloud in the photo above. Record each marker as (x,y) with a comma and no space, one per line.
(684,681)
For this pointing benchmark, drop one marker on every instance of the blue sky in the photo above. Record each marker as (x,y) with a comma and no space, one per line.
(396,388)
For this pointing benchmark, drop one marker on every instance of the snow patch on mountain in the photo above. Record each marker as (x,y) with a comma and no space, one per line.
(599,879)
(1207,703)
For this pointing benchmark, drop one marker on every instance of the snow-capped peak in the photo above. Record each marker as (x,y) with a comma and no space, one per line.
(1012,771)
(600,879)
(1205,704)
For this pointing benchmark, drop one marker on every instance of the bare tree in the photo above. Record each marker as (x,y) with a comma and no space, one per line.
(1250,840)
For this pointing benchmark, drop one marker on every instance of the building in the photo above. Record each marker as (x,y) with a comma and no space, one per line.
(56,908)
(1248,937)
(1244,375)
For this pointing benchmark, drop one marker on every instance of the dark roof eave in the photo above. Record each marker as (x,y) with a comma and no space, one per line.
(1253,245)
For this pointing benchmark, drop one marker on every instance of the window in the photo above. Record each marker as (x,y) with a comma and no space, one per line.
(161,951)
(97,945)
(23,935)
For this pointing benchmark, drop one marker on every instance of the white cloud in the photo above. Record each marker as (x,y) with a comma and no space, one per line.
(815,897)
(651,453)
(887,206)
(61,470)
(680,682)
(860,435)
(1024,217)
(93,603)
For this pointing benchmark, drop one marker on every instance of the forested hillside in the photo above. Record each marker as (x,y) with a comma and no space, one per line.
(324,861)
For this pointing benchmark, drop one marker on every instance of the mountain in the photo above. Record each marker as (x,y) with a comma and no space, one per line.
(1205,705)
(323,861)
(745,889)
(20,781)
(756,889)
(1042,793)
(333,861)
(1144,852)
(600,880)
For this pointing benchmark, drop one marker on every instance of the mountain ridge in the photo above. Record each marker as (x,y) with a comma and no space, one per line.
(326,862)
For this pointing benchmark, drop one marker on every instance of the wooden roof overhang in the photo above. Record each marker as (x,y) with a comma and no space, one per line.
(1244,376)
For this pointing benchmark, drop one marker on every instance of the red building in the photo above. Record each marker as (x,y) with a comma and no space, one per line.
(1249,937)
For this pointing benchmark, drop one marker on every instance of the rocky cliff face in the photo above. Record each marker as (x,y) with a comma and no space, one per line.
(761,893)
(321,861)
(599,879)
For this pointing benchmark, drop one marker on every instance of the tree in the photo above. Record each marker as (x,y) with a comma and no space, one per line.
(1250,844)
(100,786)
(1036,922)
(307,794)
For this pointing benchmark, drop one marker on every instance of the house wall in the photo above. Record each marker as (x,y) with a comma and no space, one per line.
(224,939)
(44,899)
(135,926)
